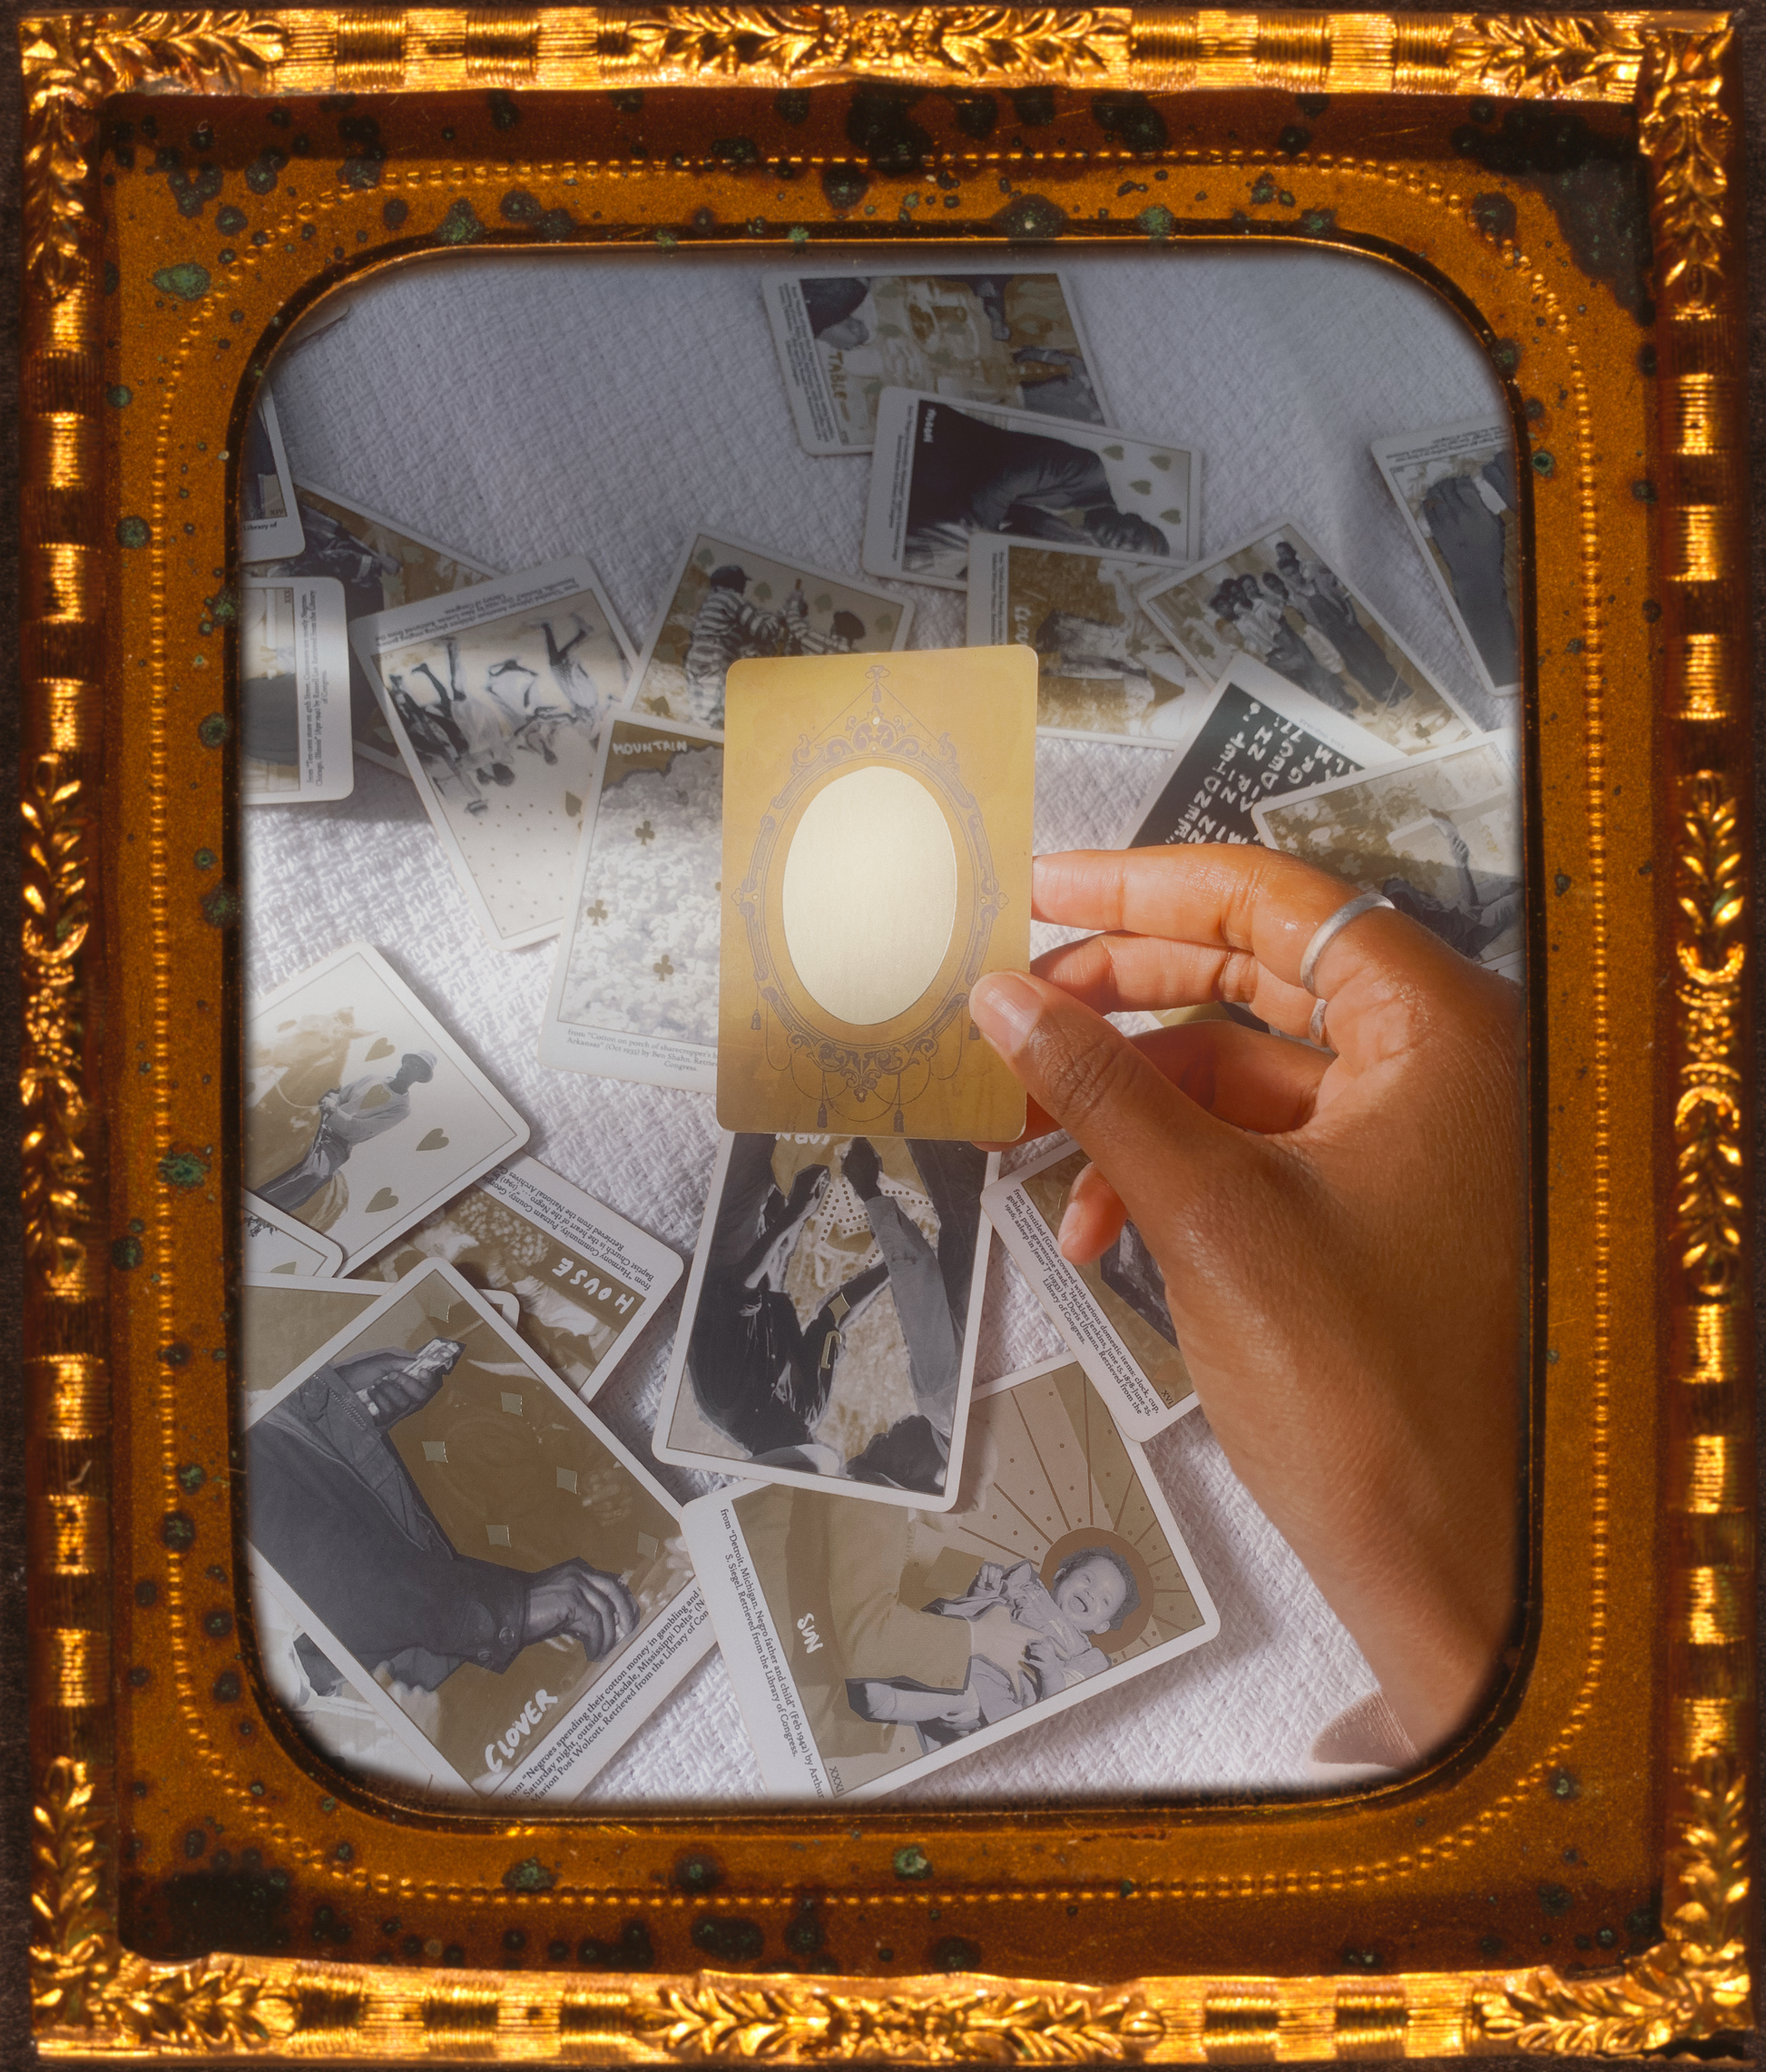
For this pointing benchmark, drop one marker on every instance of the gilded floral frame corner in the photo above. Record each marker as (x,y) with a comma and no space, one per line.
(1644,1328)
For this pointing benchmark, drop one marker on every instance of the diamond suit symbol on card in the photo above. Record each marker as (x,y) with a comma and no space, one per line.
(379,1048)
(499,1536)
(383,1201)
(436,1140)
(511,1403)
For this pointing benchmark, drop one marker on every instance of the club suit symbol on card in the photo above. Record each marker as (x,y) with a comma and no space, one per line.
(877,848)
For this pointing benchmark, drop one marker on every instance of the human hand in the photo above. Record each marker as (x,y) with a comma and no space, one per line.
(585,1603)
(1341,1237)
(997,1637)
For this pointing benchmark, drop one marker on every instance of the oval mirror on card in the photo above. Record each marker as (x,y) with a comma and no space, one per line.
(870,894)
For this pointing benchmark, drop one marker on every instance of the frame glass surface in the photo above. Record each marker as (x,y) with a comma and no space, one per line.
(1326,1927)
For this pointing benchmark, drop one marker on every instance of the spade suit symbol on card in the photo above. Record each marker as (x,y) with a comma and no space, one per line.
(437,1140)
(383,1201)
(379,1048)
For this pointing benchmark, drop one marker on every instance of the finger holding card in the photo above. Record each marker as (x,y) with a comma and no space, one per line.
(876,863)
(868,1650)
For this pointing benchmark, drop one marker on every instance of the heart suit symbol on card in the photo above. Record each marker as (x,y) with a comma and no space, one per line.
(436,1140)
(379,1048)
(386,1199)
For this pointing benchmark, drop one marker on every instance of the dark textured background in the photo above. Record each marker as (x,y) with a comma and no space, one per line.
(14,1782)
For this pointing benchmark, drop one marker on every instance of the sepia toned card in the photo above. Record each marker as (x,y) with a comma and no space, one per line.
(284,1322)
(829,1334)
(270,522)
(1456,485)
(1105,671)
(381,564)
(988,337)
(864,1646)
(496,696)
(581,1282)
(1275,601)
(877,823)
(276,1243)
(944,471)
(1112,1312)
(634,987)
(1248,742)
(483,1563)
(294,693)
(1439,835)
(362,1115)
(731,600)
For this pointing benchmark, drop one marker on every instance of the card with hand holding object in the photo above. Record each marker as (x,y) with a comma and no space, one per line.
(362,1115)
(945,471)
(496,696)
(877,819)
(829,1330)
(500,1580)
(578,1281)
(867,1649)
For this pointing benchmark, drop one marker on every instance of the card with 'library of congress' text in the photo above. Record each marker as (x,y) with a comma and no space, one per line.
(876,814)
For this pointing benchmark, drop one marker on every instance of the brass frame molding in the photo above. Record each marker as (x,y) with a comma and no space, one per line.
(1501,1898)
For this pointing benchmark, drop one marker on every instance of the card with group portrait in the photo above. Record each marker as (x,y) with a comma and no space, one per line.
(830,1330)
(995,338)
(1274,600)
(944,471)
(462,1543)
(867,1649)
(1112,1310)
(731,600)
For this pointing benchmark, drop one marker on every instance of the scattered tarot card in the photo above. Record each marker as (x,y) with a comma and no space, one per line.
(1113,1313)
(269,523)
(1440,835)
(276,1243)
(283,1322)
(381,565)
(876,863)
(1274,600)
(830,1329)
(1105,671)
(1249,742)
(578,1281)
(362,1115)
(294,693)
(990,338)
(496,696)
(731,599)
(854,1638)
(634,988)
(1456,485)
(483,1563)
(945,471)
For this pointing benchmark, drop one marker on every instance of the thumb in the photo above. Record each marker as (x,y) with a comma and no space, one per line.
(1164,1155)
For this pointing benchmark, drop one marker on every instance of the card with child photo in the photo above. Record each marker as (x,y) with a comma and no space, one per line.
(868,1649)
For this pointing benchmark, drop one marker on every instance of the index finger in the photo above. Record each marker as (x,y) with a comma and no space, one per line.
(1232,896)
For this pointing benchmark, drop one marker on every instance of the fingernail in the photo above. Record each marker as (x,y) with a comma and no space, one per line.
(1005,1008)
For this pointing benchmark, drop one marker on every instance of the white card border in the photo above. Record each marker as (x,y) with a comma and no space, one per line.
(294,1229)
(274,539)
(674,1379)
(456,1056)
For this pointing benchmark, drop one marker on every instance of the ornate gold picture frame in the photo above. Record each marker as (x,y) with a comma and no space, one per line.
(1443,1913)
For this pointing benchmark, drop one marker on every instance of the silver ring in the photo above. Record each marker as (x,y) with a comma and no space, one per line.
(1315,1028)
(1327,932)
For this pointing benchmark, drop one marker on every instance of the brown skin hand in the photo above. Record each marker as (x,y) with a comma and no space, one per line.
(1342,1238)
